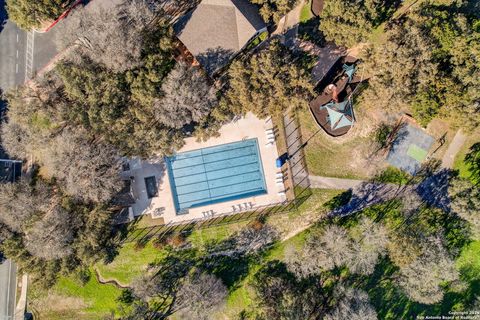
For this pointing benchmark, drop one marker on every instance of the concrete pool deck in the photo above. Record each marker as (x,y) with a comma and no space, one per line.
(162,205)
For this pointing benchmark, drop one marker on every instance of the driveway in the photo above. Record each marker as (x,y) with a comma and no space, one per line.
(8,272)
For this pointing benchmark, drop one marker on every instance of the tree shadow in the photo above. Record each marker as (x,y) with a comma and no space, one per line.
(339,200)
(309,31)
(367,194)
(214,59)
(231,269)
(3,14)
(434,189)
(387,11)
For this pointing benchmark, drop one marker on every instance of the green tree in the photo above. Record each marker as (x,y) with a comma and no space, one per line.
(472,160)
(349,22)
(280,295)
(30,14)
(273,10)
(270,83)
(465,202)
(428,66)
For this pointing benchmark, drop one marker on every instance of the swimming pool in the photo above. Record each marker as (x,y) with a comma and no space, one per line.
(216,174)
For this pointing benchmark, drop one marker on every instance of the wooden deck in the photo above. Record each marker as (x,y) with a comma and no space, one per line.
(344,90)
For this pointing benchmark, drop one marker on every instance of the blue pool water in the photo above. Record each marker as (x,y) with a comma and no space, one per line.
(216,174)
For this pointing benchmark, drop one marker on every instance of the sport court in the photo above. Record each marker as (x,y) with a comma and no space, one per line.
(410,149)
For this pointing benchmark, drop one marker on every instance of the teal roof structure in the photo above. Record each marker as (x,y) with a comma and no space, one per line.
(349,70)
(344,122)
(334,116)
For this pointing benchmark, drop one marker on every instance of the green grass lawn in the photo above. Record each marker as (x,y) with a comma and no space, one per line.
(325,158)
(68,299)
(201,238)
(130,263)
(459,163)
(89,292)
(306,13)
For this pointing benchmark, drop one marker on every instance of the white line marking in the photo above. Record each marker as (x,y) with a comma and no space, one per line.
(16,68)
(17,36)
(17,54)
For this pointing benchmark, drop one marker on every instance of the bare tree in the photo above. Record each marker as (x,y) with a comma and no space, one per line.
(411,202)
(250,239)
(322,251)
(89,170)
(359,249)
(370,243)
(113,37)
(19,202)
(280,295)
(51,236)
(187,97)
(353,305)
(421,279)
(200,295)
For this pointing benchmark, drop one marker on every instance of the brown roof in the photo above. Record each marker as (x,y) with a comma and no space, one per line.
(217,29)
(317,7)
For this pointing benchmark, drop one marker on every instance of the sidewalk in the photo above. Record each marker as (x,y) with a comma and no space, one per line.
(22,302)
(453,149)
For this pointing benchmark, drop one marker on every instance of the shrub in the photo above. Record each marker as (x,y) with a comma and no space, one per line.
(392,175)
(83,275)
(126,296)
(176,240)
(139,245)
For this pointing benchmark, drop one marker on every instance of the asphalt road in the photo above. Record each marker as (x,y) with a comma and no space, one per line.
(22,54)
(8,273)
(12,52)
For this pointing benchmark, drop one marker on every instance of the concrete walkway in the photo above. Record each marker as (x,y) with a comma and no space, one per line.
(453,149)
(22,302)
(334,183)
(290,20)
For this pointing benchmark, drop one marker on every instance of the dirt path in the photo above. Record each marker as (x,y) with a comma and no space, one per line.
(102,280)
(454,147)
(333,183)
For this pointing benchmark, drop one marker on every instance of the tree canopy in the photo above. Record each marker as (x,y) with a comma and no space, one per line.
(273,10)
(428,65)
(269,83)
(349,22)
(30,14)
(112,37)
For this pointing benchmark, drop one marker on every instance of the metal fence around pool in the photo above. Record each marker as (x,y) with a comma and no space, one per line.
(295,170)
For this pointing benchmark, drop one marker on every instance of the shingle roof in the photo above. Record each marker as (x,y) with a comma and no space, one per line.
(217,29)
